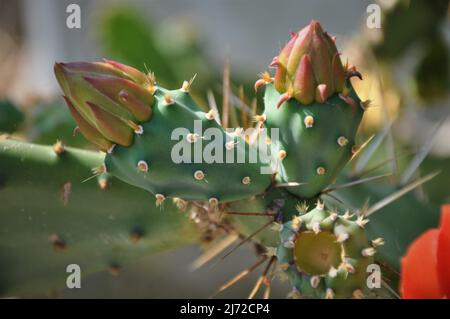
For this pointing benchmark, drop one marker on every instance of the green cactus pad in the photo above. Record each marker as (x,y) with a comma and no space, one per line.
(317,138)
(50,218)
(149,162)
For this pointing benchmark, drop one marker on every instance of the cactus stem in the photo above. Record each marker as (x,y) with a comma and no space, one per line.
(142,166)
(160,198)
(309,121)
(246,180)
(329,294)
(314,281)
(377,242)
(59,147)
(168,100)
(57,242)
(368,252)
(342,141)
(358,294)
(321,170)
(199,175)
(111,149)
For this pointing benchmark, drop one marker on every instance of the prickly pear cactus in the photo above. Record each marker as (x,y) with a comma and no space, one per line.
(312,103)
(160,141)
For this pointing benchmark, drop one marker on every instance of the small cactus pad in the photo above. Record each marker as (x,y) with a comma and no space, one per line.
(324,254)
(312,103)
(170,156)
(157,139)
(317,138)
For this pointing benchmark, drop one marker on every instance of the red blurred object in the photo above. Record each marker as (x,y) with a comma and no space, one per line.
(425,270)
(443,253)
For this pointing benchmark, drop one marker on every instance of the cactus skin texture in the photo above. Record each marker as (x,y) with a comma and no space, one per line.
(325,254)
(50,218)
(317,151)
(189,181)
(312,103)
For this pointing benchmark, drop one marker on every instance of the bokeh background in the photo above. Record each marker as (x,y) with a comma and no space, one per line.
(405,64)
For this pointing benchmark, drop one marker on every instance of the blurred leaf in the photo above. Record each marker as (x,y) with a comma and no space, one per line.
(10,117)
(433,73)
(408,23)
(127,37)
(437,190)
(51,121)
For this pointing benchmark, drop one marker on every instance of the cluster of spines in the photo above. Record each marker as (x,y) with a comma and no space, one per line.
(345,277)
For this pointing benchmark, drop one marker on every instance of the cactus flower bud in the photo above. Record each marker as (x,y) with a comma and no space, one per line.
(106,99)
(309,66)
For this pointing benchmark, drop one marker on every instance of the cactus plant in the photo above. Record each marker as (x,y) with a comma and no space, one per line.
(50,218)
(123,111)
(310,102)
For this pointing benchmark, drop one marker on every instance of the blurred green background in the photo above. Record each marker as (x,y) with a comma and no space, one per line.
(405,65)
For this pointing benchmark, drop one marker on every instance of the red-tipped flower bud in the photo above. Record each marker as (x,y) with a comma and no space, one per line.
(106,99)
(309,65)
